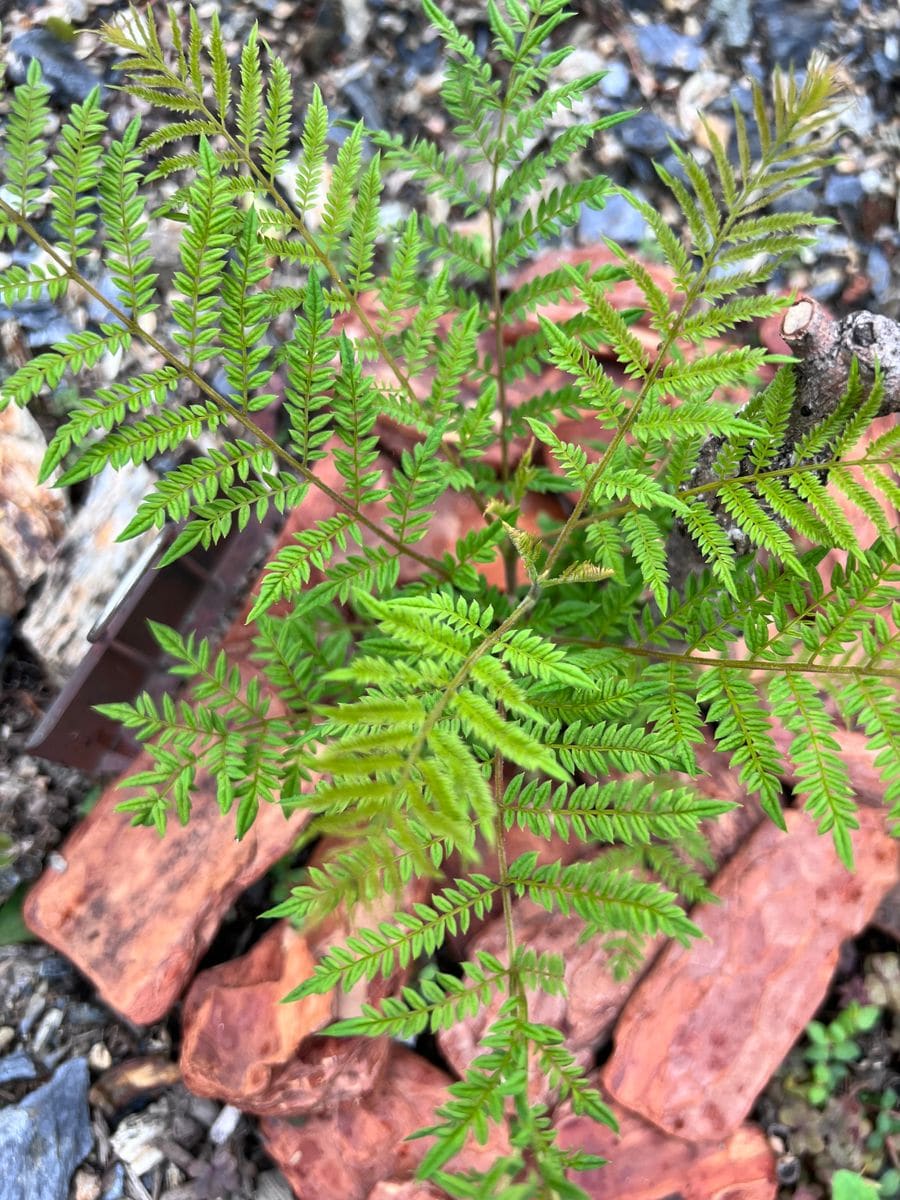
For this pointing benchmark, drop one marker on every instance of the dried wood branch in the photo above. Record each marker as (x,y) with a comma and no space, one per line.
(825,349)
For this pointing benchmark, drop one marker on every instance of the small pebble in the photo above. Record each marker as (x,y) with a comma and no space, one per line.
(224,1125)
(801,200)
(16,1066)
(55,968)
(135,1140)
(617,220)
(616,82)
(734,21)
(47,1029)
(793,31)
(203,1110)
(661,46)
(56,330)
(87,1185)
(7,1035)
(647,134)
(870,179)
(69,79)
(827,284)
(96,309)
(878,269)
(860,116)
(81,1013)
(99,1057)
(788,1169)
(843,190)
(364,102)
(33,1009)
(830,242)
(115,1188)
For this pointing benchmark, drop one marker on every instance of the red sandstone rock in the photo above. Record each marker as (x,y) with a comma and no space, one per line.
(707,1027)
(622,295)
(645,1164)
(410,1190)
(136,912)
(344,1154)
(239,1042)
(242,1045)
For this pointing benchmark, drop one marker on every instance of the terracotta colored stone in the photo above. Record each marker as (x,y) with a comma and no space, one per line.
(136,912)
(344,1154)
(239,1042)
(622,295)
(587,1014)
(410,1190)
(645,1164)
(317,506)
(707,1027)
(455,515)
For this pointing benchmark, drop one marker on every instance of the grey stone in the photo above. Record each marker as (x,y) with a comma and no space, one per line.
(843,190)
(886,68)
(69,79)
(616,82)
(860,115)
(878,268)
(16,1066)
(826,285)
(363,100)
(801,200)
(617,220)
(97,310)
(828,241)
(793,31)
(647,134)
(734,22)
(44,1137)
(115,1189)
(661,46)
(56,330)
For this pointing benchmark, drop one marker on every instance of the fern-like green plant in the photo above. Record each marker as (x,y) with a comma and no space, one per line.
(422,721)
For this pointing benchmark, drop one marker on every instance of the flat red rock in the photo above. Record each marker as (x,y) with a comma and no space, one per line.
(345,1154)
(239,1042)
(136,912)
(645,1164)
(707,1027)
(585,1015)
(242,1045)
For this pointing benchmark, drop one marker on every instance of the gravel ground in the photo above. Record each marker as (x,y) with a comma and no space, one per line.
(378,60)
